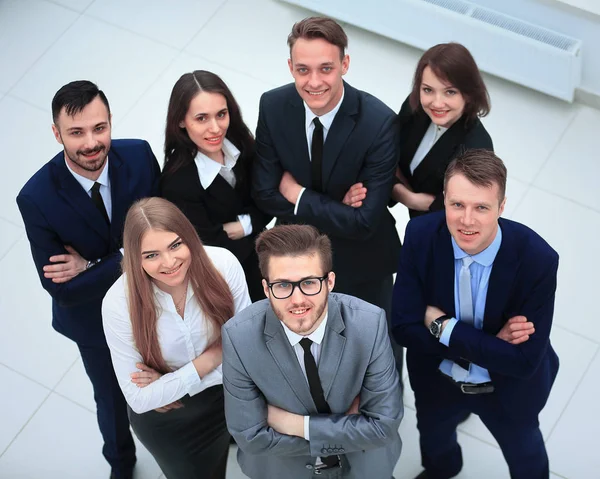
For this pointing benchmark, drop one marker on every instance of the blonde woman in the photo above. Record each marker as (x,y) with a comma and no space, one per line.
(162,320)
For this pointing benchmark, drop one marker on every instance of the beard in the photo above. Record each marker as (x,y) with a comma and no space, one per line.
(303,326)
(89,165)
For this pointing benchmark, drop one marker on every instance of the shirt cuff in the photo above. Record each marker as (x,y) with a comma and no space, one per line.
(298,201)
(445,337)
(306,430)
(246,222)
(189,377)
(122,250)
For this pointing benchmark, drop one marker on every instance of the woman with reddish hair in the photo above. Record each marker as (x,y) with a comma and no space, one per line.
(438,121)
(162,320)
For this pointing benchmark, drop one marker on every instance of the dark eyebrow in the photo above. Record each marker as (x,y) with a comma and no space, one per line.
(278,280)
(172,243)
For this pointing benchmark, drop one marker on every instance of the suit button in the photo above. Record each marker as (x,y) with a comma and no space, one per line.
(309,466)
(342,450)
(329,449)
(323,451)
(336,450)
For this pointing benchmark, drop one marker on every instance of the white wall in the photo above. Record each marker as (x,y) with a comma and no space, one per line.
(559,16)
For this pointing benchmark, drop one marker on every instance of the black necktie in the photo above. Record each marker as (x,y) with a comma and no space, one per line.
(316,390)
(97,199)
(316,156)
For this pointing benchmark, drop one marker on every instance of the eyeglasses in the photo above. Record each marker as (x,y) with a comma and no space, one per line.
(308,287)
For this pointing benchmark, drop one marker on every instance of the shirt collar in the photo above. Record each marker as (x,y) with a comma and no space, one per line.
(326,119)
(316,336)
(86,183)
(484,258)
(209,169)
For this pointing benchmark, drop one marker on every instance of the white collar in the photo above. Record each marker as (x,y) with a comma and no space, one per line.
(86,183)
(316,336)
(326,119)
(208,169)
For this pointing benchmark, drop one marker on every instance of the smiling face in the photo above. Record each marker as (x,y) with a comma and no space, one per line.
(472,213)
(300,313)
(206,123)
(442,102)
(165,258)
(85,137)
(317,70)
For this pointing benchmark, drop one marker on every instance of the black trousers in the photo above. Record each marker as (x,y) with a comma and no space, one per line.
(188,443)
(377,292)
(253,277)
(119,448)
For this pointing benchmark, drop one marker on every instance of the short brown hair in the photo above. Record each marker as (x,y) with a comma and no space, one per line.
(319,27)
(293,240)
(454,64)
(481,167)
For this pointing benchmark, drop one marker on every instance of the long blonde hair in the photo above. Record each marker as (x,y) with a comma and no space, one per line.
(210,288)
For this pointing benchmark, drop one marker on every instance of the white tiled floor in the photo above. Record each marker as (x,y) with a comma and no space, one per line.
(135,50)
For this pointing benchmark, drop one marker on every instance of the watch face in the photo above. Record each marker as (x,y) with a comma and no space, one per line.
(434,328)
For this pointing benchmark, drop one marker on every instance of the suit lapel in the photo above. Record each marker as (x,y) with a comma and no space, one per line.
(295,134)
(287,361)
(443,268)
(443,149)
(332,347)
(504,272)
(75,195)
(118,192)
(416,128)
(342,126)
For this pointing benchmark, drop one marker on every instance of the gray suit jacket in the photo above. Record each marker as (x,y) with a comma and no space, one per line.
(260,367)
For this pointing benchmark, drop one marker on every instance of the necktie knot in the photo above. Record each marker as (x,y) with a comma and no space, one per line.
(317,123)
(306,344)
(467,261)
(96,187)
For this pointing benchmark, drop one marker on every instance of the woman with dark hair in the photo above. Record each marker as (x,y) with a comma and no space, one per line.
(209,153)
(438,121)
(162,321)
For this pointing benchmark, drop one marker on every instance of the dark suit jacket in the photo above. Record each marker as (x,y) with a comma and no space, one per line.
(360,146)
(522,282)
(57,211)
(428,177)
(209,209)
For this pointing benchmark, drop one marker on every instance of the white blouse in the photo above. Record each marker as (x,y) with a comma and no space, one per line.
(181,340)
(431,136)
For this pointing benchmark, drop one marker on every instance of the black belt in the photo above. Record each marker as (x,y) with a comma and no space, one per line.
(471,388)
(324,467)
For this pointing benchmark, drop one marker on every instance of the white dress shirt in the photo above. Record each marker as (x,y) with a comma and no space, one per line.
(315,348)
(326,120)
(208,169)
(181,340)
(431,136)
(104,181)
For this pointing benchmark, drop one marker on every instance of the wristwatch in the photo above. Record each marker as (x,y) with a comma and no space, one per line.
(92,263)
(435,327)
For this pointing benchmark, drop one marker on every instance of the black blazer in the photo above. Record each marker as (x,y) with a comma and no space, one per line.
(207,209)
(361,145)
(429,175)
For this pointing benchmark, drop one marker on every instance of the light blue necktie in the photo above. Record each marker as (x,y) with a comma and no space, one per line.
(465,298)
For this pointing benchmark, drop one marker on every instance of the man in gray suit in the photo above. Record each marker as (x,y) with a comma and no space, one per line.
(290,417)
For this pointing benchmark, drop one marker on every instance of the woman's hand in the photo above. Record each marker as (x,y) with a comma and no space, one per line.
(234,230)
(145,377)
(170,407)
(414,201)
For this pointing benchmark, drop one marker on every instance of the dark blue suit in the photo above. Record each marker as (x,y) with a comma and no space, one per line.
(522,282)
(57,211)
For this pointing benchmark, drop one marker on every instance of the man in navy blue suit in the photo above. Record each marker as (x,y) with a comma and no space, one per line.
(473,305)
(74,208)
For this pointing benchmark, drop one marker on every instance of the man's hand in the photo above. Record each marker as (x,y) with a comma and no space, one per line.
(285,422)
(234,230)
(354,407)
(170,407)
(145,377)
(289,187)
(516,330)
(65,267)
(431,314)
(355,195)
